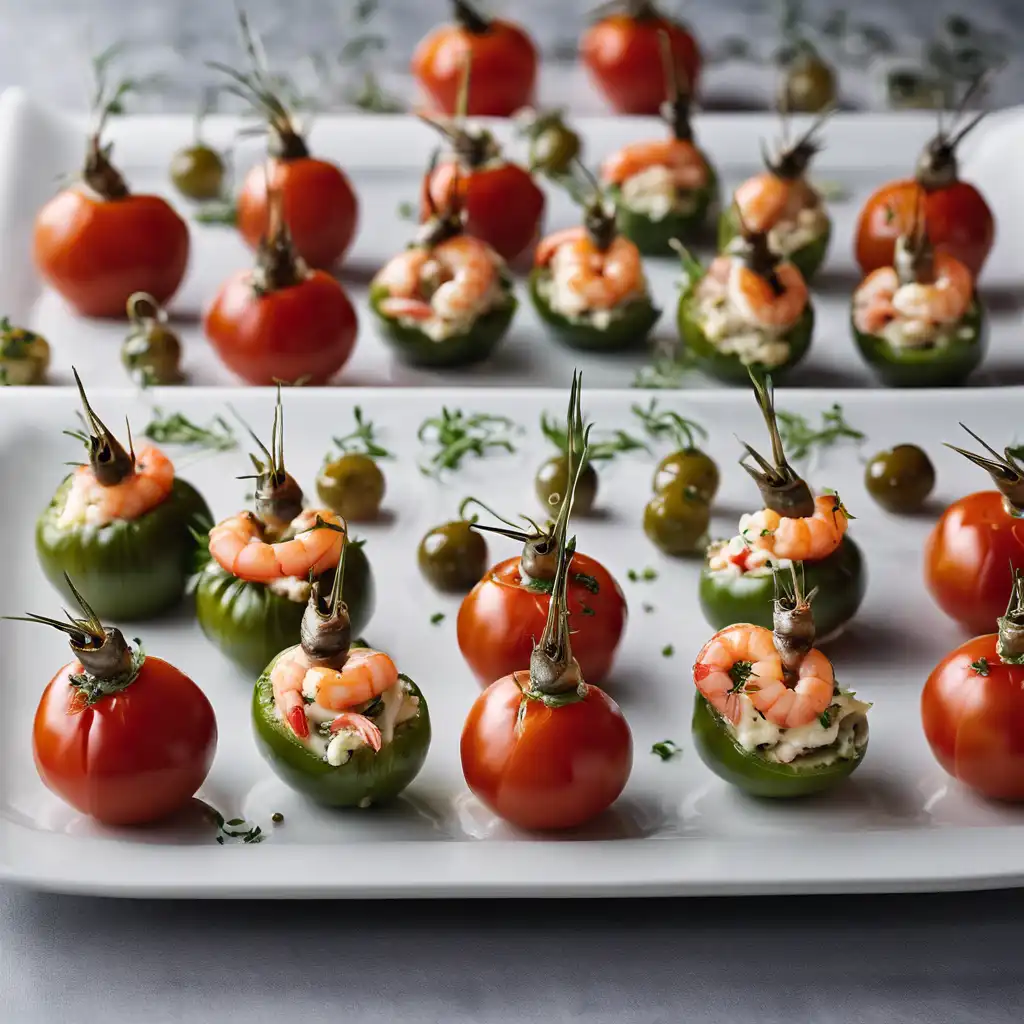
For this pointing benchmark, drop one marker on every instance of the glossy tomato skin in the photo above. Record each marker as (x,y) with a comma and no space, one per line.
(504,207)
(556,767)
(96,252)
(500,619)
(958,218)
(306,331)
(623,57)
(504,62)
(974,722)
(969,559)
(320,208)
(132,757)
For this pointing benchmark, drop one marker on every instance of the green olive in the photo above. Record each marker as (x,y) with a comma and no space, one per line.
(901,478)
(809,85)
(152,353)
(676,520)
(353,486)
(24,356)
(552,481)
(554,148)
(693,467)
(198,172)
(453,557)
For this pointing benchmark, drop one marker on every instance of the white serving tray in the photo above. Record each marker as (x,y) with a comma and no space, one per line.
(385,157)
(898,824)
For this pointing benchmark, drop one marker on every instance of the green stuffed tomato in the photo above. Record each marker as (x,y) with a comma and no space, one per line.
(935,367)
(129,569)
(841,581)
(627,329)
(807,259)
(728,367)
(653,237)
(473,345)
(366,778)
(754,774)
(251,624)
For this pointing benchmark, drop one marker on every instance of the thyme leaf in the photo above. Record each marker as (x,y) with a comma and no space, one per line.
(454,435)
(599,450)
(667,651)
(799,437)
(362,440)
(437,618)
(177,428)
(980,666)
(666,749)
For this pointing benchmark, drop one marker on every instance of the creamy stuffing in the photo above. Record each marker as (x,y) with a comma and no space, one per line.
(654,193)
(450,320)
(294,588)
(918,334)
(791,234)
(558,291)
(837,735)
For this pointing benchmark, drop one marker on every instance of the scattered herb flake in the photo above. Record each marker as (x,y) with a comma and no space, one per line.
(667,651)
(666,749)
(665,424)
(406,211)
(980,666)
(177,428)
(217,214)
(437,618)
(825,718)
(648,608)
(589,582)
(455,434)
(799,438)
(740,675)
(587,610)
(362,440)
(598,450)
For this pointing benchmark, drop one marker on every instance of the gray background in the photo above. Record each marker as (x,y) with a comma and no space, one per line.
(928,959)
(45,44)
(945,959)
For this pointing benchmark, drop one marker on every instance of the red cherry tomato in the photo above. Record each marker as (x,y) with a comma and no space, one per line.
(968,559)
(132,757)
(500,619)
(304,331)
(96,252)
(320,208)
(551,768)
(959,222)
(503,60)
(972,709)
(622,53)
(503,205)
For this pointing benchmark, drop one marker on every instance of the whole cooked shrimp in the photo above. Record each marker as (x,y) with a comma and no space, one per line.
(763,200)
(743,660)
(365,674)
(872,301)
(239,546)
(681,157)
(596,278)
(143,489)
(776,299)
(942,300)
(802,538)
(448,281)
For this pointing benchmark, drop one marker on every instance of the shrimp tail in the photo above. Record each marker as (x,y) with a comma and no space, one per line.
(297,720)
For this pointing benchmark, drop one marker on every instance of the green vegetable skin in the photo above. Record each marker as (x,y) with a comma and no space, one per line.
(629,328)
(923,367)
(749,771)
(807,259)
(471,346)
(841,580)
(251,625)
(730,368)
(367,776)
(652,237)
(128,570)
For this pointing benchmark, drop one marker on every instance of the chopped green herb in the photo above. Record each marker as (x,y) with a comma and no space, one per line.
(667,424)
(740,675)
(800,438)
(667,651)
(236,828)
(666,749)
(277,817)
(646,575)
(455,434)
(217,214)
(406,211)
(362,440)
(589,582)
(980,666)
(437,618)
(648,608)
(587,610)
(825,718)
(176,428)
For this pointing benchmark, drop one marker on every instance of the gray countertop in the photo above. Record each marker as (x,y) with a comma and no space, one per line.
(849,960)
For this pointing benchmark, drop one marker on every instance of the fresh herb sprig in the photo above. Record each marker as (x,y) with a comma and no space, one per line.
(236,828)
(363,439)
(454,435)
(177,428)
(667,424)
(666,373)
(217,213)
(666,749)
(599,450)
(800,437)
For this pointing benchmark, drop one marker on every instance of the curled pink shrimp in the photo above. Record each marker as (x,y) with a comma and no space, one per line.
(238,546)
(743,660)
(286,680)
(142,490)
(682,159)
(809,537)
(361,726)
(366,674)
(872,301)
(762,303)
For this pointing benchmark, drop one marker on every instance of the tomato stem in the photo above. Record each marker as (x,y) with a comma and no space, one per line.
(675,111)
(792,159)
(469,18)
(782,490)
(326,630)
(278,265)
(1010,644)
(793,623)
(1006,472)
(110,463)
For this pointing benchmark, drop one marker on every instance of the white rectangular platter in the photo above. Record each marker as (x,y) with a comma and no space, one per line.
(898,824)
(385,157)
